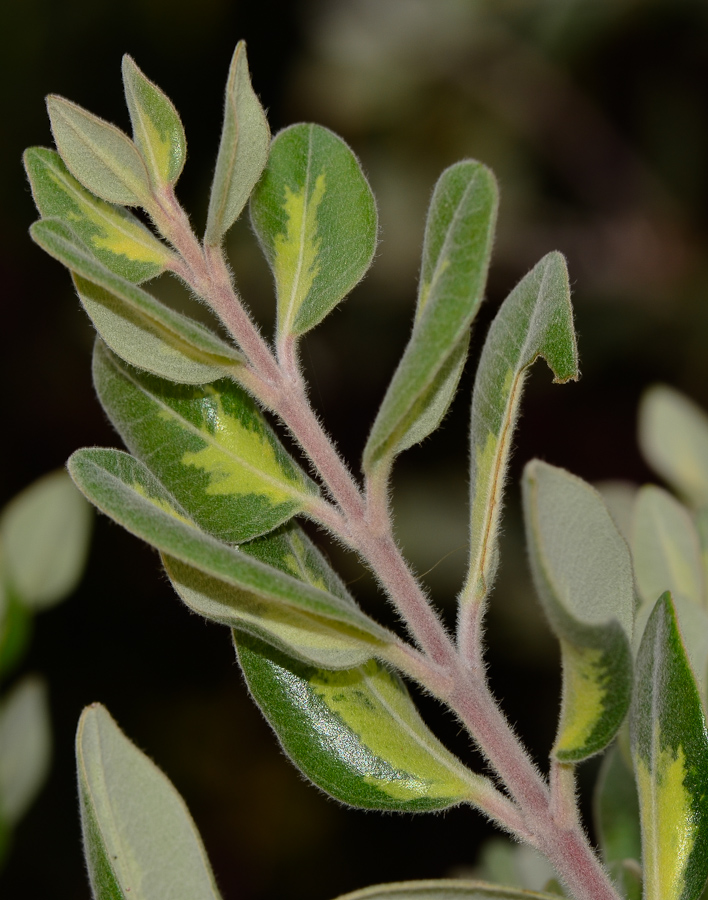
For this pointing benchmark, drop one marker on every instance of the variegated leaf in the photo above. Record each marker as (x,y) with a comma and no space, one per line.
(315,217)
(209,445)
(445,889)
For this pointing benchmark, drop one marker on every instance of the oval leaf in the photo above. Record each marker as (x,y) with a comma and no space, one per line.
(157,128)
(243,150)
(101,156)
(315,217)
(209,445)
(45,534)
(583,575)
(673,436)
(25,747)
(140,842)
(616,808)
(444,889)
(456,252)
(670,754)
(536,320)
(115,237)
(666,548)
(134,324)
(356,734)
(124,489)
(307,637)
(15,627)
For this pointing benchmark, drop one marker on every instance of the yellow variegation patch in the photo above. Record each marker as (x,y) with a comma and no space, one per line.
(585,690)
(161,503)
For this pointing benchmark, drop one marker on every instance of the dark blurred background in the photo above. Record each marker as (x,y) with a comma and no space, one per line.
(593,115)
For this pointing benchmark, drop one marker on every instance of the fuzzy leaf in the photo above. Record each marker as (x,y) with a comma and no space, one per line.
(123,488)
(25,747)
(536,320)
(616,808)
(243,150)
(137,326)
(444,889)
(670,754)
(140,841)
(673,436)
(98,154)
(307,637)
(315,217)
(456,252)
(666,548)
(115,237)
(157,129)
(209,445)
(45,534)
(356,733)
(583,576)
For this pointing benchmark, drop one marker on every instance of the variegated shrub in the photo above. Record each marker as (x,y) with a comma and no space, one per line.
(210,485)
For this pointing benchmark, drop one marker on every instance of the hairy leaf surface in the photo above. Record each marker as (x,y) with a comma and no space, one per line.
(583,575)
(98,154)
(315,217)
(125,489)
(670,754)
(209,445)
(140,841)
(115,236)
(356,733)
(157,129)
(25,747)
(134,324)
(243,150)
(456,252)
(536,320)
(444,889)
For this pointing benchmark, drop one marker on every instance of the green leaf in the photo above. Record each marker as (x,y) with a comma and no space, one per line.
(666,548)
(209,445)
(309,638)
(444,889)
(140,841)
(356,733)
(501,861)
(45,534)
(98,154)
(157,128)
(536,320)
(315,217)
(15,628)
(583,575)
(616,809)
(627,876)
(673,436)
(138,327)
(670,754)
(115,237)
(124,489)
(458,244)
(243,150)
(25,747)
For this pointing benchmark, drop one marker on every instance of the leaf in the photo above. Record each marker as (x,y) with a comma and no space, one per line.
(243,150)
(124,489)
(137,326)
(356,733)
(458,244)
(115,237)
(673,436)
(98,154)
(309,638)
(666,548)
(536,320)
(504,862)
(25,747)
(15,628)
(209,445)
(45,534)
(583,576)
(315,218)
(444,889)
(616,809)
(670,755)
(140,842)
(157,129)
